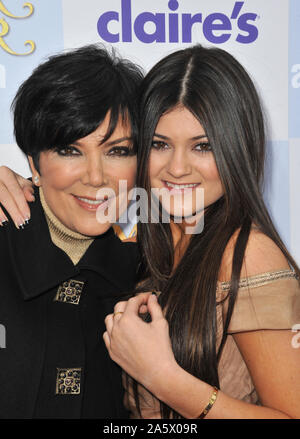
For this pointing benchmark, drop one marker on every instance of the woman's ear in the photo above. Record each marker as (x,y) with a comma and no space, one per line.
(35,174)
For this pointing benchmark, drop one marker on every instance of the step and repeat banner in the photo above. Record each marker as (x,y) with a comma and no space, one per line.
(263,35)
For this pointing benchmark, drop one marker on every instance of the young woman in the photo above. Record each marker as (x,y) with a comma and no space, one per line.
(220,343)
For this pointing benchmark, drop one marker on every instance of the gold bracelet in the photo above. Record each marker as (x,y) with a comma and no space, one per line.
(211,402)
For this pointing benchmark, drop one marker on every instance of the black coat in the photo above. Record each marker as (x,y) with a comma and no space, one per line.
(40,329)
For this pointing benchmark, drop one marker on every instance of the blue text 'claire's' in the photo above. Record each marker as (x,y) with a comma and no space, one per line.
(175,27)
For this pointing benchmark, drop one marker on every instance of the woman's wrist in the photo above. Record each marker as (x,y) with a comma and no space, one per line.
(180,390)
(166,384)
(162,379)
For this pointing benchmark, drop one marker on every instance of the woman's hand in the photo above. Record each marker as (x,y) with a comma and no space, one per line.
(15,192)
(142,349)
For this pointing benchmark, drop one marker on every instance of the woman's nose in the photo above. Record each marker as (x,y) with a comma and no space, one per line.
(179,164)
(94,173)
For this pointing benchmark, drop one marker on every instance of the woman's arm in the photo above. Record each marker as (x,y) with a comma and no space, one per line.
(274,368)
(144,351)
(15,193)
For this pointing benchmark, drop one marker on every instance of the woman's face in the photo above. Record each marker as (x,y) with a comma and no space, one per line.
(72,177)
(181,163)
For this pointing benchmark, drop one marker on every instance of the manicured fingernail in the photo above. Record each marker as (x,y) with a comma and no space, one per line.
(22,225)
(4,222)
(27,221)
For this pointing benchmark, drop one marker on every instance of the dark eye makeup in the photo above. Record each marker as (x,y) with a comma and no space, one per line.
(115,151)
(200,147)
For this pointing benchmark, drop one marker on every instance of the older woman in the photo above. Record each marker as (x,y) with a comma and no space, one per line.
(75,118)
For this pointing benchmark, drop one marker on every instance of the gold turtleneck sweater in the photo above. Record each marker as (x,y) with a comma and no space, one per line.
(72,243)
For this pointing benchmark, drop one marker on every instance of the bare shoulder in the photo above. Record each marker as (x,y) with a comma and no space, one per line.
(261,255)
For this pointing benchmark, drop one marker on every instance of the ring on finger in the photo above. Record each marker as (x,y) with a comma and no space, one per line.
(118,312)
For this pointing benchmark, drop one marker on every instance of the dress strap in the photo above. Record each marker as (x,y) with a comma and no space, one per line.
(259,279)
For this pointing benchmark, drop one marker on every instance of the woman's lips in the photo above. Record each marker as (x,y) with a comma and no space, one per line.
(176,188)
(91,204)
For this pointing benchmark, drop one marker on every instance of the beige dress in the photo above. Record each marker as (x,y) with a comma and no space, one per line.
(266,301)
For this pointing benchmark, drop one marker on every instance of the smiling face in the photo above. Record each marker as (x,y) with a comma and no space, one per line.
(72,177)
(181,162)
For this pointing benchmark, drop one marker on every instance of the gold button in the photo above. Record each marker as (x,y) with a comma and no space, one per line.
(68,381)
(69,292)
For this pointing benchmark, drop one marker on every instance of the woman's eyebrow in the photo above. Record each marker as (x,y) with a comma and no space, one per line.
(202,136)
(113,142)
(161,136)
(116,141)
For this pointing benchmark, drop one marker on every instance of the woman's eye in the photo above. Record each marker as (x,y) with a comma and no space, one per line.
(68,151)
(159,145)
(121,151)
(203,147)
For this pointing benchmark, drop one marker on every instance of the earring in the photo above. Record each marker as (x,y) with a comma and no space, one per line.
(36,179)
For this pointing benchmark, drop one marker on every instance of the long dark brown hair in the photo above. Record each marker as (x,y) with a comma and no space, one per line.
(217,90)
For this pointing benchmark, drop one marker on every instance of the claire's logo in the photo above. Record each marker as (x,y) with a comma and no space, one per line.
(175,27)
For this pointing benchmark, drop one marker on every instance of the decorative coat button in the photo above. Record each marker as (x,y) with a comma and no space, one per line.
(68,381)
(69,291)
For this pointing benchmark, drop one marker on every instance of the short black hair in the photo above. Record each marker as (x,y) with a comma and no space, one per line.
(67,97)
